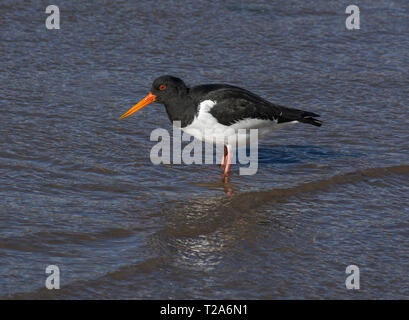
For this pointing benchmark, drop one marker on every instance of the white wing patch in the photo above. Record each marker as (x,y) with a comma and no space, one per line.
(205,106)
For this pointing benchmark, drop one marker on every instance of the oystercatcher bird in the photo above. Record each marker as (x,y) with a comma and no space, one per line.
(219,110)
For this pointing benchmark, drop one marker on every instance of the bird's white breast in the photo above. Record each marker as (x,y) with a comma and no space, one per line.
(205,126)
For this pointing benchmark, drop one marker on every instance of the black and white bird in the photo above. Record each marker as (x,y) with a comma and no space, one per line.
(215,112)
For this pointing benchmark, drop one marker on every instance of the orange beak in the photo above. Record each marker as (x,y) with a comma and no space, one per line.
(144,102)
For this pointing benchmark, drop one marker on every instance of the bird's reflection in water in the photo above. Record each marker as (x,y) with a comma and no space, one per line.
(227,187)
(223,184)
(203,234)
(194,235)
(204,252)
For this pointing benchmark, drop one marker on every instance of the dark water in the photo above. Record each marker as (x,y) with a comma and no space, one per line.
(78,190)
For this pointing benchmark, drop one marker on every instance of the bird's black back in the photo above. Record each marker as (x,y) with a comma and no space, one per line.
(235,104)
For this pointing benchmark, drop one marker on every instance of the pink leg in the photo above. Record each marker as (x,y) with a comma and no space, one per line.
(223,163)
(228,161)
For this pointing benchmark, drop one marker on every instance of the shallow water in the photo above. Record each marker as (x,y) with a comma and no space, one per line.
(78,190)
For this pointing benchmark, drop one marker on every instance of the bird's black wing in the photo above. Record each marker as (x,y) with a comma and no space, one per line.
(234,104)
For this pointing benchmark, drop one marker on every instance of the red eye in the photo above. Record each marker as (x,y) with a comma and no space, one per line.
(162,87)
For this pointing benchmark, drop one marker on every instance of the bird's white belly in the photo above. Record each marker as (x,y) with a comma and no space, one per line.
(205,127)
(209,131)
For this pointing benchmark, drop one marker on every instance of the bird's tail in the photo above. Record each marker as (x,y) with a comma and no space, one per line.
(308,117)
(289,114)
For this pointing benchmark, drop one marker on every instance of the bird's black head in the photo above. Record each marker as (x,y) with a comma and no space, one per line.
(167,88)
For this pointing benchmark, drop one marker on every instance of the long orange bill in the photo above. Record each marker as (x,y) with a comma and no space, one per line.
(144,102)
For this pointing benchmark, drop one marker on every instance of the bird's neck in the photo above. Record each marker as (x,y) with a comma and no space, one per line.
(181,108)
